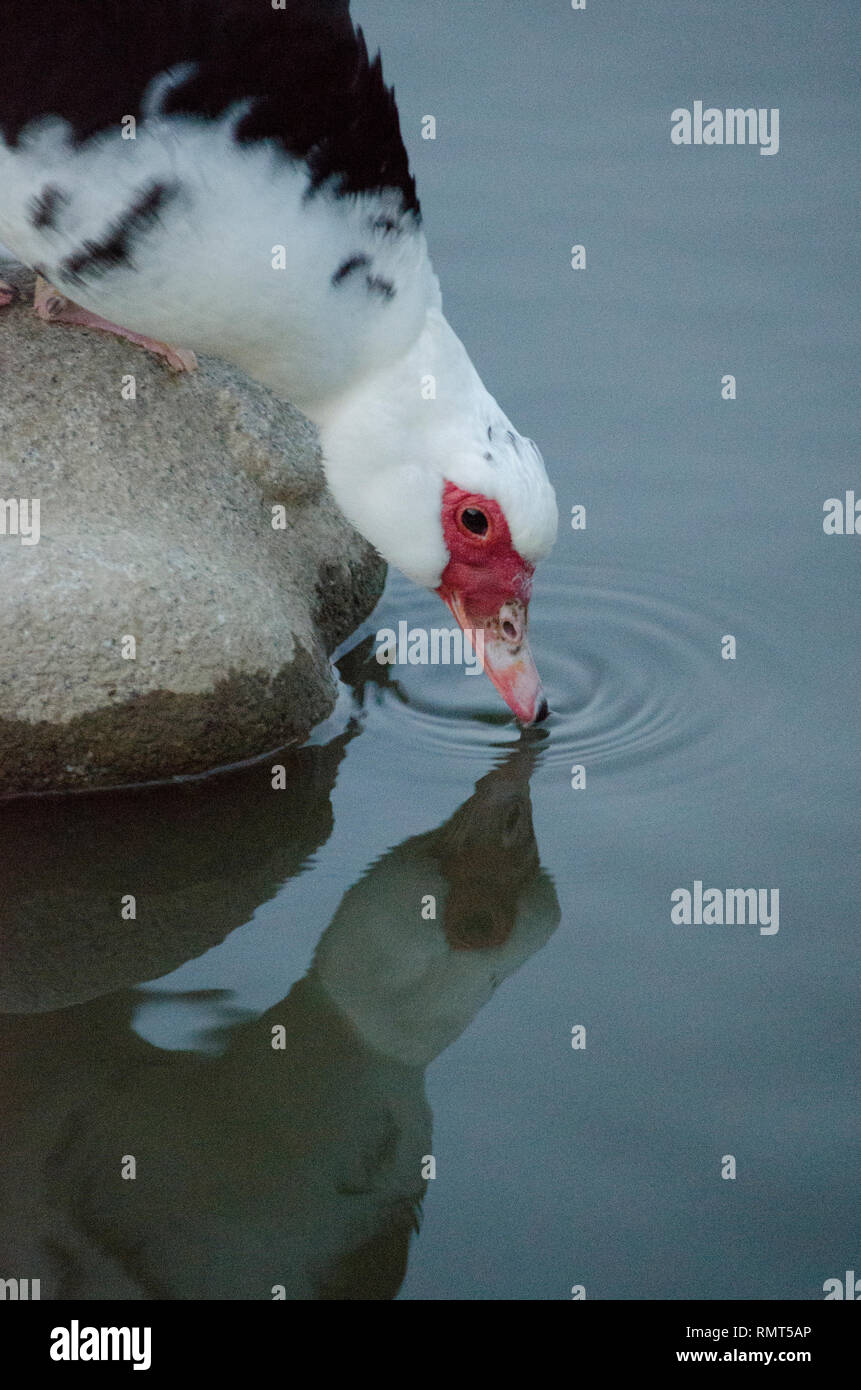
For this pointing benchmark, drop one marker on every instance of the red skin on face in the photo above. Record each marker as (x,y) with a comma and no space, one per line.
(486,571)
(487,585)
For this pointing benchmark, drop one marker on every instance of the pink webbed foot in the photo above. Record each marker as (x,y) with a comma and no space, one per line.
(53,307)
(7,294)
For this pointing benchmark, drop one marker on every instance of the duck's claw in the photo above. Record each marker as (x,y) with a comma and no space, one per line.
(52,307)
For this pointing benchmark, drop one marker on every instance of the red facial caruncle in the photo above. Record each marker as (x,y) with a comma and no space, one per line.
(487,586)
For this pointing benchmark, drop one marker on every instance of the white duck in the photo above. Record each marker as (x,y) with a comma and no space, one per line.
(230,176)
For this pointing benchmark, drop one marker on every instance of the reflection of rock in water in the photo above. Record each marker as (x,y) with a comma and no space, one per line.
(262,1167)
(199,857)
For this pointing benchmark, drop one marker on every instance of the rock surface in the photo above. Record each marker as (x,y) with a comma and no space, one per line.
(156,523)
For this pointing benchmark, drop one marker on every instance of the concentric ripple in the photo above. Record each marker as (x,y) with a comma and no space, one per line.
(632,668)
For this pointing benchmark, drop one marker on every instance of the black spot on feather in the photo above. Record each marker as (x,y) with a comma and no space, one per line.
(346,268)
(114,248)
(45,206)
(377,285)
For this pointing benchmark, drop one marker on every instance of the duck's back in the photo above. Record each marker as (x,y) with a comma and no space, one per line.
(216,173)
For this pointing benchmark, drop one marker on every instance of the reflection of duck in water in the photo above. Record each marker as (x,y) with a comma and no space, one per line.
(411,984)
(295,1166)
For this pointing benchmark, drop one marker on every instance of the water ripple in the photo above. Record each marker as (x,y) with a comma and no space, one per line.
(632,668)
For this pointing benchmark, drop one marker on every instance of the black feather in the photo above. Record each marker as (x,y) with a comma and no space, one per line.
(305,70)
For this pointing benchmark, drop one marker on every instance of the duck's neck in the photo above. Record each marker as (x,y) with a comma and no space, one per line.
(432,382)
(389,439)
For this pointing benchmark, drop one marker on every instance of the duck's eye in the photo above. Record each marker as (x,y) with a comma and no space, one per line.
(474,521)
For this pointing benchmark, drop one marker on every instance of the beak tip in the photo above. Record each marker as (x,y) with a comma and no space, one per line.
(540,712)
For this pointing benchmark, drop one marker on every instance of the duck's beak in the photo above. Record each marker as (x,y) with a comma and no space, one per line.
(501,642)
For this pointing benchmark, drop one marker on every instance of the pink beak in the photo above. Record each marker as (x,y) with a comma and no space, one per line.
(507,658)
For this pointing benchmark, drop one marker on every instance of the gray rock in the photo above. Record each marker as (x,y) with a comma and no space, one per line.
(156,523)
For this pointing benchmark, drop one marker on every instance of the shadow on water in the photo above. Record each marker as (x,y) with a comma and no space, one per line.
(293,1159)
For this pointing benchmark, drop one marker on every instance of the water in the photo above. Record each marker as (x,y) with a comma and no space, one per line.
(302,909)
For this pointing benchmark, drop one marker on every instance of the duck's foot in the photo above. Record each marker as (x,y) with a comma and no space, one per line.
(53,307)
(7,294)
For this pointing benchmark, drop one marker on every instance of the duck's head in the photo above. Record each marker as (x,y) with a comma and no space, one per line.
(451,494)
(491,550)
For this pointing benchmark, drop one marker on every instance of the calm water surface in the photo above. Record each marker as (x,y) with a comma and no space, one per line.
(301,910)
